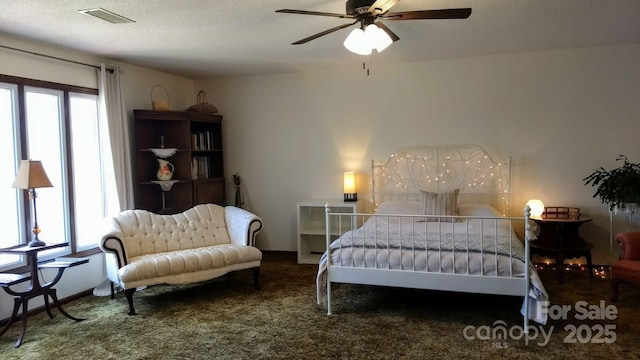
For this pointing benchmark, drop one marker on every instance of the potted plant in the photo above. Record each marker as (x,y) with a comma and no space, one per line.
(619,187)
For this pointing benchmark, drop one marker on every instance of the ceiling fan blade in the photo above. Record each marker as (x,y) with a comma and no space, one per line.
(429,14)
(381,6)
(318,13)
(391,34)
(329,31)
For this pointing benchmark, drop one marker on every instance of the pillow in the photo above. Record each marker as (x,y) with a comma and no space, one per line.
(399,207)
(473,209)
(439,204)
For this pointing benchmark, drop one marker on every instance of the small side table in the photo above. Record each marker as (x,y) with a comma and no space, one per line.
(35,289)
(560,240)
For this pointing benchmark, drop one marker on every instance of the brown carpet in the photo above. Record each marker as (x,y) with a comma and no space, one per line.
(228,319)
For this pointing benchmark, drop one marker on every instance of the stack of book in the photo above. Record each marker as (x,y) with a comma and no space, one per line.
(200,167)
(202,141)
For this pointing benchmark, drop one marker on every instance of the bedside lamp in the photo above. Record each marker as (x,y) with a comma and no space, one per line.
(31,176)
(350,193)
(536,206)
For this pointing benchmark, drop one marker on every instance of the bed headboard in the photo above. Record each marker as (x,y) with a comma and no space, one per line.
(442,168)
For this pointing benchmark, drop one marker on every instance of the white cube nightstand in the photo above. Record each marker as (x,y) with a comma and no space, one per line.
(312,227)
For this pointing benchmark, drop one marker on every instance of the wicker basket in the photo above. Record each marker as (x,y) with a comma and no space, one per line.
(160,104)
(202,105)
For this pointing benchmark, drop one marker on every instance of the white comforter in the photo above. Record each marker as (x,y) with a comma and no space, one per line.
(473,246)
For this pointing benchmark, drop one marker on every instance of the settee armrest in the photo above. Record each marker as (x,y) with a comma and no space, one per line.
(112,244)
(242,225)
(629,245)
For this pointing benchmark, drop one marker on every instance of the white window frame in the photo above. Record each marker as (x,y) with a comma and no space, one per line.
(7,261)
(100,153)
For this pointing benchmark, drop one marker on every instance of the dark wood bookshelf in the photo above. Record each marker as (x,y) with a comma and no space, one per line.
(198,165)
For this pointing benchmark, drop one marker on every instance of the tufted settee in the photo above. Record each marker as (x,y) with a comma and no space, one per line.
(205,242)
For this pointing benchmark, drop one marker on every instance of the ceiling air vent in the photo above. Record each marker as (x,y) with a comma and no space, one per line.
(106,15)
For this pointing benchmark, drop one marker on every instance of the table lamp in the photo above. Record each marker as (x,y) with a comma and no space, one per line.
(31,176)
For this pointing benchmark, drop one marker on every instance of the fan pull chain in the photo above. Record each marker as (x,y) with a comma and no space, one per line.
(364,65)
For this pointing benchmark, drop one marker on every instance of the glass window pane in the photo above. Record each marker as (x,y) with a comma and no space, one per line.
(87,174)
(45,143)
(10,198)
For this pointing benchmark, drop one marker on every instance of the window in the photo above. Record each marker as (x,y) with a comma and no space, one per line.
(58,125)
(94,190)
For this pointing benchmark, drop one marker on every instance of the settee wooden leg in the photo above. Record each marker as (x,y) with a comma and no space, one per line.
(256,278)
(129,294)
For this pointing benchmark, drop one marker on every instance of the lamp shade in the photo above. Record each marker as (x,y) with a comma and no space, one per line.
(350,192)
(357,43)
(377,37)
(349,182)
(536,206)
(31,175)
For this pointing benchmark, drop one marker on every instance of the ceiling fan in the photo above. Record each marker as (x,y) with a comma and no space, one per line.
(372,34)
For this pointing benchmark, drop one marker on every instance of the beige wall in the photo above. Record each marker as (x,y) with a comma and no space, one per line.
(557,114)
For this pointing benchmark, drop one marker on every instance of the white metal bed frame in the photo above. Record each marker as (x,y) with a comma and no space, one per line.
(437,169)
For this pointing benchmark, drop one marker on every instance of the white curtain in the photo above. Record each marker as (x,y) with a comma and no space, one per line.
(114,122)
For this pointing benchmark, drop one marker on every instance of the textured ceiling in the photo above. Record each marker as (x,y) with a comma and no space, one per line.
(198,38)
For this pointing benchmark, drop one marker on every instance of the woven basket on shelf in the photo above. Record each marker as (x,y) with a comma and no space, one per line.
(160,104)
(202,105)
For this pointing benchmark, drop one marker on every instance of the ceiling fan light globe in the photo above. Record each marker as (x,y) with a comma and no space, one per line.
(378,39)
(357,43)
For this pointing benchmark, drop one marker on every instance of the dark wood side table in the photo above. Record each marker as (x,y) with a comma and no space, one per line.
(559,239)
(35,289)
